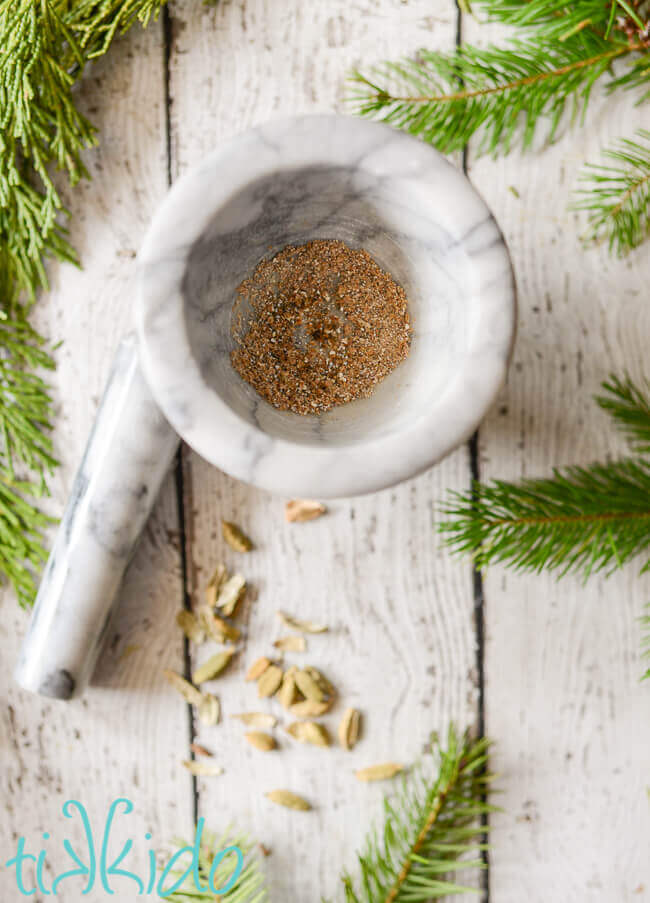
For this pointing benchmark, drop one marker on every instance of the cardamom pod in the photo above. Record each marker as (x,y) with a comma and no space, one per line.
(202,769)
(269,682)
(308,686)
(209,709)
(184,687)
(309,732)
(349,728)
(191,626)
(300,510)
(216,628)
(293,643)
(288,799)
(215,583)
(307,708)
(230,593)
(303,626)
(213,667)
(287,692)
(260,740)
(258,668)
(256,719)
(379,772)
(321,680)
(235,537)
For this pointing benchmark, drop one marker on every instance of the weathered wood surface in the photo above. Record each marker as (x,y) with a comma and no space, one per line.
(123,738)
(562,692)
(401,646)
(562,698)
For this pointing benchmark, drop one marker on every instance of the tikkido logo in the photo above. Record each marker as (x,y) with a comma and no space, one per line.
(92,862)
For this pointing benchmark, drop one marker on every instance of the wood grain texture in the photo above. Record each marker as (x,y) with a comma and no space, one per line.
(563,699)
(402,644)
(562,695)
(128,733)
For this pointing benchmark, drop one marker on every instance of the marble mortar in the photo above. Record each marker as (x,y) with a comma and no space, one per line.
(285,182)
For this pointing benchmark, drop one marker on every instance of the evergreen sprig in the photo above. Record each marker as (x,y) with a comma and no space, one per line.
(250,886)
(560,19)
(582,519)
(44,46)
(500,93)
(503,94)
(629,406)
(432,829)
(617,196)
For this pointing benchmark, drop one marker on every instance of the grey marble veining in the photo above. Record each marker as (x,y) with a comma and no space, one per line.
(128,453)
(286,182)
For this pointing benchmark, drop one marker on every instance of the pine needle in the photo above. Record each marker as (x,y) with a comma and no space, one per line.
(629,406)
(617,197)
(249,887)
(557,18)
(581,520)
(432,829)
(503,94)
(499,93)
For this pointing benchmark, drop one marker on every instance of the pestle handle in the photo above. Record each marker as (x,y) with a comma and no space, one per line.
(130,449)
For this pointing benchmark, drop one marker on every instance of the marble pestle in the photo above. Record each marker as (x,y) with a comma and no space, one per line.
(128,453)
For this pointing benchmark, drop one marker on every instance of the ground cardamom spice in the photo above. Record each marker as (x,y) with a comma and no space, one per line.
(317,326)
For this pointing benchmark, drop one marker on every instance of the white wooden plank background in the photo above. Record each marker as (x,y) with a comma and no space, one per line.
(562,698)
(123,738)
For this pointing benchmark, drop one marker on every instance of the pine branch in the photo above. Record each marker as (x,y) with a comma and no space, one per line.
(629,406)
(560,19)
(249,888)
(582,520)
(617,197)
(447,98)
(431,830)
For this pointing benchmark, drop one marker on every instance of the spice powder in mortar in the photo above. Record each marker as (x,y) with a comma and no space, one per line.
(324,325)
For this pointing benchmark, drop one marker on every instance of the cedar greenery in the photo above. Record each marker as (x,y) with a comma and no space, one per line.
(503,94)
(44,46)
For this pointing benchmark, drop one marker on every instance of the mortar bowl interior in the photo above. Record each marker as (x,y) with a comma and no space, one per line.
(326,177)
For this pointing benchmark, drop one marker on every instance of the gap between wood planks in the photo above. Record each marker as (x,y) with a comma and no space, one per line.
(477,578)
(179,477)
(179,480)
